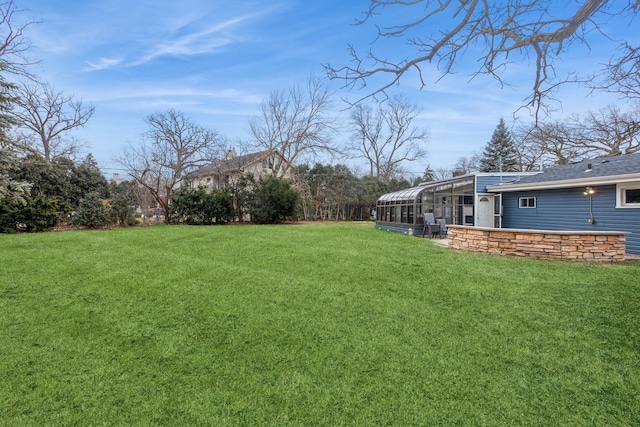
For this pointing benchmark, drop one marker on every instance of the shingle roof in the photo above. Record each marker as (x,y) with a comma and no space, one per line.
(596,170)
(233,164)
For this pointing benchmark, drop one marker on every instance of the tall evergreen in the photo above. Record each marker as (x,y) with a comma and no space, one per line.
(6,104)
(500,153)
(12,188)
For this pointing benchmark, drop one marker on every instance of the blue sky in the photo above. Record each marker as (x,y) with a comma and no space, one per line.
(217,60)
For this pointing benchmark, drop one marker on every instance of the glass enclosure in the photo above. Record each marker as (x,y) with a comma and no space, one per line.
(451,199)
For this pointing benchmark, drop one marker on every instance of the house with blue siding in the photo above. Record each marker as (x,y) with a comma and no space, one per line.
(596,195)
(462,200)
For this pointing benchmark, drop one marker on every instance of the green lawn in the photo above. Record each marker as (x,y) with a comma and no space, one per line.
(314,324)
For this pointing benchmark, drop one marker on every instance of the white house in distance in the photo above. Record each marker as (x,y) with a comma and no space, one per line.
(228,171)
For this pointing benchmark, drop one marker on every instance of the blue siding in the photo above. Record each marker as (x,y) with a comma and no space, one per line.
(568,209)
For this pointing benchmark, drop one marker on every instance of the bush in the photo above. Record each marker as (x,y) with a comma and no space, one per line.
(35,215)
(122,204)
(199,207)
(273,201)
(121,211)
(221,207)
(8,215)
(91,213)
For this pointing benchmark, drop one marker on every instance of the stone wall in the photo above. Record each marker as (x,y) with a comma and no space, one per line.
(569,245)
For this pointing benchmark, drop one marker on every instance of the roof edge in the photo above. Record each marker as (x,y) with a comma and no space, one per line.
(568,183)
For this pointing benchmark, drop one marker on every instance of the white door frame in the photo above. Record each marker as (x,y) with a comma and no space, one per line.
(485,210)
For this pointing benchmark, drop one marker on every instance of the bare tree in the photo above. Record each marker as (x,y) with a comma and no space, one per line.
(13,47)
(296,123)
(386,137)
(466,165)
(609,131)
(173,147)
(43,117)
(529,145)
(622,74)
(549,143)
(442,174)
(495,32)
(13,61)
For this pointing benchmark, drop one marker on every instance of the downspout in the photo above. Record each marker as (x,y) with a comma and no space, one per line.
(500,213)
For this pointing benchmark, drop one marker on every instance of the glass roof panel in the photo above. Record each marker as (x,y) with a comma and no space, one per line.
(411,194)
(408,194)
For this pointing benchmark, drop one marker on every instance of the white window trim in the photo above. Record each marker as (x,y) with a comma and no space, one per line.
(535,203)
(620,195)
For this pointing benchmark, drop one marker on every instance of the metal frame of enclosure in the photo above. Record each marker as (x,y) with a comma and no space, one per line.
(451,199)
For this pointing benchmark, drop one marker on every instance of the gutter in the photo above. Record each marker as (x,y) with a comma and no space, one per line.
(567,183)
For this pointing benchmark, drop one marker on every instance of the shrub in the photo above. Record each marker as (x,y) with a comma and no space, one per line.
(273,201)
(122,205)
(36,214)
(199,207)
(9,215)
(221,207)
(91,213)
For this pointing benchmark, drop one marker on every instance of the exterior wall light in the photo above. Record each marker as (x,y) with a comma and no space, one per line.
(590,191)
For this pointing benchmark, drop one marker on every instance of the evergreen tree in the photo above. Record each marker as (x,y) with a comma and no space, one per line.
(48,179)
(273,201)
(33,214)
(122,203)
(85,178)
(242,191)
(500,153)
(62,179)
(11,187)
(91,212)
(428,175)
(6,104)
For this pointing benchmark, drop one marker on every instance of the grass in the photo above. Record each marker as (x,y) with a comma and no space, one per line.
(315,324)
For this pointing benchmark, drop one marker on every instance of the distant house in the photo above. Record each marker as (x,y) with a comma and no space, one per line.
(116,179)
(593,195)
(598,195)
(228,171)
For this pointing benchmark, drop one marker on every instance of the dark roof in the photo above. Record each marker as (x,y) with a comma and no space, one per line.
(232,164)
(597,170)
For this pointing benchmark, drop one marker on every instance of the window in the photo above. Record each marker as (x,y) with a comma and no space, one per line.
(628,195)
(632,196)
(527,202)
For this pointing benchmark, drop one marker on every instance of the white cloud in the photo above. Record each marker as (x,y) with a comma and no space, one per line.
(139,95)
(102,64)
(197,43)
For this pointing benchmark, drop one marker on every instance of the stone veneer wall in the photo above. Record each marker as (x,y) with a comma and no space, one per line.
(568,245)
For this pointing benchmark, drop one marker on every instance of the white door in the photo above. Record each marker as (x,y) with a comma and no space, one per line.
(485,211)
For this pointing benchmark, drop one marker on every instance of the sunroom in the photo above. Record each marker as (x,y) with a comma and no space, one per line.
(402,210)
(462,200)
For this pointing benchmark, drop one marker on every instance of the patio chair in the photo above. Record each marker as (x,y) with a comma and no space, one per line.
(442,225)
(430,226)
